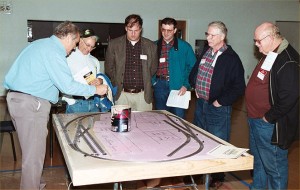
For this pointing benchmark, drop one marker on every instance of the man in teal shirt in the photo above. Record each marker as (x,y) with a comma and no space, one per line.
(176,60)
(33,81)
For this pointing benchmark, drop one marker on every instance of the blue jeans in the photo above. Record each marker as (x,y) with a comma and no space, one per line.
(212,119)
(82,106)
(270,161)
(161,94)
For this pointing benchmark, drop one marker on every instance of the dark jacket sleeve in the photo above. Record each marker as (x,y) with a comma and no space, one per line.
(287,91)
(284,97)
(235,81)
(109,63)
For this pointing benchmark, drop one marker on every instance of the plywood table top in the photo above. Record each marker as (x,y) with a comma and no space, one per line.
(158,145)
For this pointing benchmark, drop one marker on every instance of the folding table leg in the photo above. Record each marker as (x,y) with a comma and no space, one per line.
(207,176)
(118,185)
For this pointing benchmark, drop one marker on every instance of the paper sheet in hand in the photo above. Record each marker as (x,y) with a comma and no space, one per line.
(174,100)
(85,76)
(223,151)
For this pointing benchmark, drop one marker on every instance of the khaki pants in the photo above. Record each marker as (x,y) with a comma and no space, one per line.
(30,116)
(135,100)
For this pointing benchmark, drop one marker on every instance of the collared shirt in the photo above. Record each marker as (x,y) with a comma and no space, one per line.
(205,72)
(41,70)
(163,67)
(133,76)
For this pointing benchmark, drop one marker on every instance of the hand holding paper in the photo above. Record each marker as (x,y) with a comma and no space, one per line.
(182,91)
(180,101)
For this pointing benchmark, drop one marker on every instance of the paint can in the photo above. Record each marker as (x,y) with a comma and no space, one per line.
(120,118)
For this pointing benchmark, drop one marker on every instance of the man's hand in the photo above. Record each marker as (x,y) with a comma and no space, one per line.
(182,91)
(265,119)
(101,89)
(216,104)
(96,81)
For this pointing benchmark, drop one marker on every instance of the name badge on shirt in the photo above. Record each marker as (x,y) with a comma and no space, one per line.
(162,60)
(202,61)
(143,57)
(270,59)
(261,74)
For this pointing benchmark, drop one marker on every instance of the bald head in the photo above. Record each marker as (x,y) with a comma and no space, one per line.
(268,28)
(267,37)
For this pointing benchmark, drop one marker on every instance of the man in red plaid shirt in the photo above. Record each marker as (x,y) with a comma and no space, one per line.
(219,81)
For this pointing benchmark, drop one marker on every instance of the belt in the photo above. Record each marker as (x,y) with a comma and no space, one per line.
(83,98)
(133,90)
(163,77)
(15,91)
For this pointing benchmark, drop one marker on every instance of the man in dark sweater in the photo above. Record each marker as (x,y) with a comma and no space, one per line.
(219,80)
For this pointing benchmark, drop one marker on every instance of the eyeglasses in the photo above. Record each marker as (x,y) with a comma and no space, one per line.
(88,45)
(167,30)
(259,41)
(212,35)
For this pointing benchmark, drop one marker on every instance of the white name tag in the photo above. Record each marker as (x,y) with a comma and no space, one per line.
(261,74)
(202,61)
(270,59)
(162,60)
(143,57)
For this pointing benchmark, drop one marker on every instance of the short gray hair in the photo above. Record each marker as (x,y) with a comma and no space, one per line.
(220,25)
(274,31)
(65,28)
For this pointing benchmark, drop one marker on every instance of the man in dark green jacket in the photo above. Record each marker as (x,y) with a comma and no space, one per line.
(176,60)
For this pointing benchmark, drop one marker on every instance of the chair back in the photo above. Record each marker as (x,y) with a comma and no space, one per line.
(7,126)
